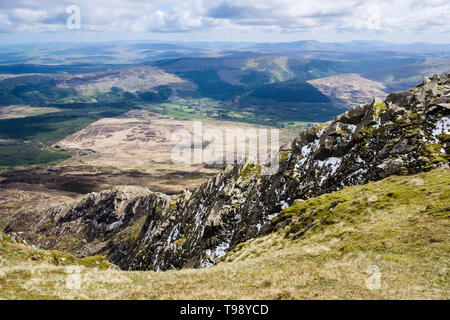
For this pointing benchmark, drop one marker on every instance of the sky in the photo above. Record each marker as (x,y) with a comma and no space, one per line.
(225,20)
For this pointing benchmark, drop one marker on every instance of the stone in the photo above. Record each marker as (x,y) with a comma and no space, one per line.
(287,146)
(390,167)
(355,114)
(444,105)
(138,229)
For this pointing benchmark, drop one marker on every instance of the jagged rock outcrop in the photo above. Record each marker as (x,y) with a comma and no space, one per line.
(138,229)
(86,227)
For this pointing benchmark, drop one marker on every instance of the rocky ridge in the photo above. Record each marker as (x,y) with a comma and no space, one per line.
(142,230)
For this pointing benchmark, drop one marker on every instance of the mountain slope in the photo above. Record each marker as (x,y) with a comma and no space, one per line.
(350,88)
(289,91)
(406,134)
(374,226)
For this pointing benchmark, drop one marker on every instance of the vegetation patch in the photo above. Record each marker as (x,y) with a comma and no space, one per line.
(290,91)
(377,109)
(25,154)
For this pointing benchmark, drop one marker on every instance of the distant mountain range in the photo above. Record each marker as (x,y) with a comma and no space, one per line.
(254,82)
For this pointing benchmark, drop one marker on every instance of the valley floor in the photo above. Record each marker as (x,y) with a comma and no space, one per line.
(132,149)
(384,240)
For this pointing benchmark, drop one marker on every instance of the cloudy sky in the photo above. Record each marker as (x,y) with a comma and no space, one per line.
(225,20)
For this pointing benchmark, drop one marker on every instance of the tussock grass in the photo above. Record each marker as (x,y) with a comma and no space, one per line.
(398,225)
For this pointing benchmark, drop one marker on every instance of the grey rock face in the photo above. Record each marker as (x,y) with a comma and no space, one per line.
(139,229)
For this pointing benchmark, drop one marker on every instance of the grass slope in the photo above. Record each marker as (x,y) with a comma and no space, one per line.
(398,225)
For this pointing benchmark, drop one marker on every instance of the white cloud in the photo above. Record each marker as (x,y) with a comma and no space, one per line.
(28,15)
(252,16)
(5,23)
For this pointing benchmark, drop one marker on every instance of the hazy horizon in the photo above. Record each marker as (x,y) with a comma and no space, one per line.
(268,41)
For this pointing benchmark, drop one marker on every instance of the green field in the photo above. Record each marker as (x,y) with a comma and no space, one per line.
(176,110)
(199,109)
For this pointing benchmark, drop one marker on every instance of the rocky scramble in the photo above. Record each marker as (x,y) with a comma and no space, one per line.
(139,229)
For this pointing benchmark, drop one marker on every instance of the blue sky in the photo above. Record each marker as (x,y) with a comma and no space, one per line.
(227,20)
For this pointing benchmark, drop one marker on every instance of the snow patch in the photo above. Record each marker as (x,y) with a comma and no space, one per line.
(332,163)
(271,216)
(351,127)
(218,252)
(442,126)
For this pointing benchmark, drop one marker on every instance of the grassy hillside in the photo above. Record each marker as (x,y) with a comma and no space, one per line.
(210,85)
(283,101)
(289,91)
(397,226)
(34,89)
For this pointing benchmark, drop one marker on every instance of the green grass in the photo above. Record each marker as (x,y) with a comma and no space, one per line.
(16,252)
(426,193)
(175,110)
